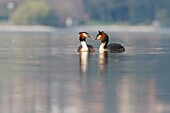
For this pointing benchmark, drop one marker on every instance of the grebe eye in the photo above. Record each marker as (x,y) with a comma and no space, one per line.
(88,35)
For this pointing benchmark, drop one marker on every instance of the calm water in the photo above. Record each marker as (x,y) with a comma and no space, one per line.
(42,73)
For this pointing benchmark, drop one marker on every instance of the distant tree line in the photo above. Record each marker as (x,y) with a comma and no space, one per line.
(48,12)
(55,12)
(35,12)
(129,11)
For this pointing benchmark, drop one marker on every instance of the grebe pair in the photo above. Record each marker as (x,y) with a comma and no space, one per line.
(104,38)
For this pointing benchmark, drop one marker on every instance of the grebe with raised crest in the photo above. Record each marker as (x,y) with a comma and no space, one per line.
(112,47)
(84,47)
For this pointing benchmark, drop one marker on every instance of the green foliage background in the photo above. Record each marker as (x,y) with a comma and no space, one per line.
(129,11)
(55,12)
(34,13)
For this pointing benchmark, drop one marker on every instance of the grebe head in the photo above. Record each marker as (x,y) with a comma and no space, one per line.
(83,36)
(102,36)
(84,47)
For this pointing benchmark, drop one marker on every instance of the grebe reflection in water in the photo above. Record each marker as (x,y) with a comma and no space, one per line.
(103,61)
(83,62)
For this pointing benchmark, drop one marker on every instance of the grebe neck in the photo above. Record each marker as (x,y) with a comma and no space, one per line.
(103,46)
(104,41)
(84,46)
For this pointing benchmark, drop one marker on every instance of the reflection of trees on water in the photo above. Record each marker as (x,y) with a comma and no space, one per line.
(45,93)
(135,95)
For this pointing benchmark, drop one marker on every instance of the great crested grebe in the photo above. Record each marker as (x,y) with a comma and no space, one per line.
(84,47)
(112,47)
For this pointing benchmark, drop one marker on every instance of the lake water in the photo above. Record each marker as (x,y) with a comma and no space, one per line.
(40,72)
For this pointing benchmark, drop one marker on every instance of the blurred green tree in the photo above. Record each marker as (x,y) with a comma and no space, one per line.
(129,11)
(4,15)
(56,12)
(34,13)
(110,10)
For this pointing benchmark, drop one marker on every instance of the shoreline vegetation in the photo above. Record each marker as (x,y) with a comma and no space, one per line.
(88,28)
(59,13)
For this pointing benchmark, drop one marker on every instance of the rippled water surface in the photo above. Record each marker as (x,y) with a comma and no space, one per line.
(42,73)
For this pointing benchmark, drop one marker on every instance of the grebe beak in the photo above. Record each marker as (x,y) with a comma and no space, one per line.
(91,37)
(95,38)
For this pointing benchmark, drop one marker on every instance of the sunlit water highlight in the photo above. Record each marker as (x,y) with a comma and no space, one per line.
(42,73)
